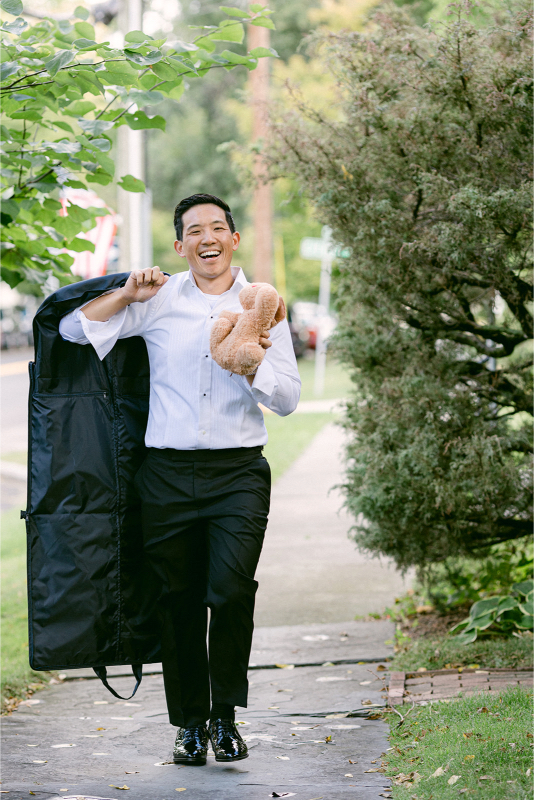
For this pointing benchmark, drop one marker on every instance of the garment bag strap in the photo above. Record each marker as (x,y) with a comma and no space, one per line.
(102,673)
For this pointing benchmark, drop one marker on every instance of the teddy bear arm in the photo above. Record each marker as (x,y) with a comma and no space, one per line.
(220,330)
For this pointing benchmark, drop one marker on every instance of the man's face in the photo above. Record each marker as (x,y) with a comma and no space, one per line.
(207,241)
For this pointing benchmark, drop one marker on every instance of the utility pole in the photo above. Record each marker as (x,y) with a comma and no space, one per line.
(263,199)
(135,208)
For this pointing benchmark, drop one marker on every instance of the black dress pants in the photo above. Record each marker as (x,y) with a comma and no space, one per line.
(204,514)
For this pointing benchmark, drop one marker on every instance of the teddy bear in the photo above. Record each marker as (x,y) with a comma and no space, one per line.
(234,340)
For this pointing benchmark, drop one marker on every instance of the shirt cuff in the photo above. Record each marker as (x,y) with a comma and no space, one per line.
(264,384)
(103,335)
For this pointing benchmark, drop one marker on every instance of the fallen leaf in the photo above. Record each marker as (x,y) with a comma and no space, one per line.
(438,773)
(422,669)
(468,758)
(104,754)
(376,769)
(374,716)
(286,666)
(283,758)
(483,710)
(32,745)
(132,772)
(365,683)
(328,738)
(273,708)
(118,787)
(63,745)
(101,703)
(528,772)
(100,729)
(486,778)
(453,779)
(352,762)
(39,762)
(348,775)
(282,794)
(381,668)
(367,702)
(462,791)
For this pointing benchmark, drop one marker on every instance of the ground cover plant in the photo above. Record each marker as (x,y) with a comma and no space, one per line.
(479,747)
(425,175)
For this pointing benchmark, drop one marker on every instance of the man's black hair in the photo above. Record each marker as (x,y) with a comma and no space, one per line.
(199,200)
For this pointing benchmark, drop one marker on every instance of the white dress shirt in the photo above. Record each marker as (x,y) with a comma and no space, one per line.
(194,403)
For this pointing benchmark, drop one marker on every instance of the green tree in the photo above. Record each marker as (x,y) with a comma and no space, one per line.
(427,178)
(63,94)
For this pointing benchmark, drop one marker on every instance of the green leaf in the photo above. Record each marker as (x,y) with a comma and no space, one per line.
(79,108)
(140,121)
(256,7)
(58,123)
(263,52)
(7,69)
(523,588)
(164,71)
(507,604)
(85,44)
(100,176)
(484,621)
(16,27)
(526,622)
(104,145)
(527,606)
(467,637)
(78,245)
(143,60)
(234,58)
(234,32)
(60,60)
(137,36)
(232,11)
(81,12)
(462,624)
(483,607)
(12,7)
(263,22)
(64,146)
(95,126)
(85,30)
(131,184)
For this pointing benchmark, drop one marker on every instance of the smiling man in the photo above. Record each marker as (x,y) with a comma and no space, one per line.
(204,485)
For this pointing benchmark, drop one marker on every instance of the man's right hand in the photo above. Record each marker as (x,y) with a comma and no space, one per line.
(143,284)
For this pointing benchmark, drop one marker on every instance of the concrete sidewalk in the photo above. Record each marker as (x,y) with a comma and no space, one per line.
(310,571)
(76,741)
(306,722)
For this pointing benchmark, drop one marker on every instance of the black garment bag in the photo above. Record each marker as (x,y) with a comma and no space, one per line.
(91,595)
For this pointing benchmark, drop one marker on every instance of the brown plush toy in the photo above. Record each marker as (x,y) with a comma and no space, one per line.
(234,340)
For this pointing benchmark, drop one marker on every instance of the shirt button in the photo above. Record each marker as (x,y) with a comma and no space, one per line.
(203,433)
(204,394)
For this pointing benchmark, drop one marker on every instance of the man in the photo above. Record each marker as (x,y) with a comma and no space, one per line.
(204,486)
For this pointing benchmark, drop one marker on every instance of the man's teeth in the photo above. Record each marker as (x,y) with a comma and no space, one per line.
(210,254)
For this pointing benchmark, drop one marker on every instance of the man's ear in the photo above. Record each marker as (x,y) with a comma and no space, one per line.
(179,247)
(237,238)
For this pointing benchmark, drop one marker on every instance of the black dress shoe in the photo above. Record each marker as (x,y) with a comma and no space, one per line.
(226,741)
(191,746)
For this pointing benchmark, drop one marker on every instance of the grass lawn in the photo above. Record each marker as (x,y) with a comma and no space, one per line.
(444,653)
(337,381)
(16,673)
(478,747)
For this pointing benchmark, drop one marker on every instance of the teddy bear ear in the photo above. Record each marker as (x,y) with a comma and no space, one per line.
(280,311)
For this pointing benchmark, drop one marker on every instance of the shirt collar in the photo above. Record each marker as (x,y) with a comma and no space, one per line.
(237,273)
